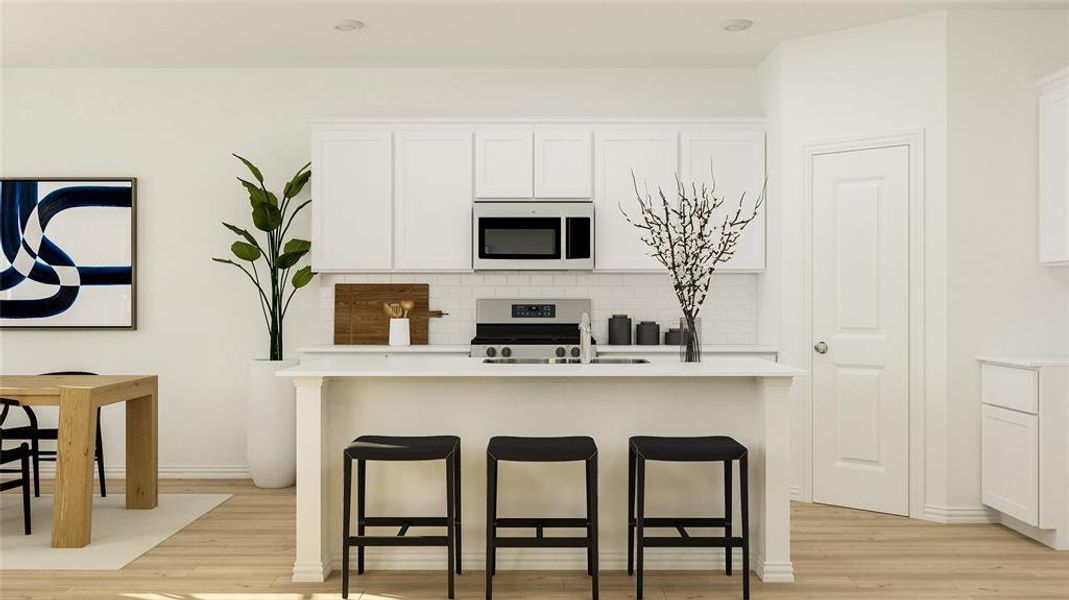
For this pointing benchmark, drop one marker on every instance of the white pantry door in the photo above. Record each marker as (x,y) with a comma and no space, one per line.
(861,329)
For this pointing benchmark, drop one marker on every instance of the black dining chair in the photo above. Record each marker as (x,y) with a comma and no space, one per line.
(35,434)
(21,453)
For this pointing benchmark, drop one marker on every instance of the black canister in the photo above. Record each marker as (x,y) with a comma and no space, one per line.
(648,333)
(673,337)
(620,330)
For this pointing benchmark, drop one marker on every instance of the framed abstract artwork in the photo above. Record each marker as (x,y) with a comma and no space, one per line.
(67,252)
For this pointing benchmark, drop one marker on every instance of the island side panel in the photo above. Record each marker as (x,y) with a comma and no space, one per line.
(773,559)
(312,563)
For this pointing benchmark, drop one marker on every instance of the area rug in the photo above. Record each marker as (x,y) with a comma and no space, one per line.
(119,535)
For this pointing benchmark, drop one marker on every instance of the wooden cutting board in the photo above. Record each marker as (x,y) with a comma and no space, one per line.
(360,320)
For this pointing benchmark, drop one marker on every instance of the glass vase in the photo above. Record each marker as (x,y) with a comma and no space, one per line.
(690,340)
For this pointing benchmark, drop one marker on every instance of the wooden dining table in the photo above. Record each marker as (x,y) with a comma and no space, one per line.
(78,397)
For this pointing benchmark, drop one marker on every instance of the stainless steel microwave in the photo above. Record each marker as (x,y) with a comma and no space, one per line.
(547,236)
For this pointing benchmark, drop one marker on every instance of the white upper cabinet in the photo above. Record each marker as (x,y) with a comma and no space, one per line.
(503,163)
(736,157)
(562,163)
(652,156)
(1054,169)
(352,192)
(432,199)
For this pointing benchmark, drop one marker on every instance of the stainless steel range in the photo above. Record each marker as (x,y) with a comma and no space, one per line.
(529,328)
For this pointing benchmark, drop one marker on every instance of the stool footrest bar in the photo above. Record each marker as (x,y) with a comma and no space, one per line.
(543,542)
(683,522)
(383,540)
(409,521)
(530,522)
(691,542)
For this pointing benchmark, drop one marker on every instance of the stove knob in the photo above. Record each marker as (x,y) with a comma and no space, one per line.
(561,352)
(506,352)
(491,352)
(575,352)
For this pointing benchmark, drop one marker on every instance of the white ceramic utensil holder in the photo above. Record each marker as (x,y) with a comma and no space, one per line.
(399,332)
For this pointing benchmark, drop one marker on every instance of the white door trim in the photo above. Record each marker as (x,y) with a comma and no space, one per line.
(914,140)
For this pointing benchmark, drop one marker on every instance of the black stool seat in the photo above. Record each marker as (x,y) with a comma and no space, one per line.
(542,449)
(387,447)
(687,449)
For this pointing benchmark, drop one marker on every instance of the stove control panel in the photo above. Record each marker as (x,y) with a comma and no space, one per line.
(534,311)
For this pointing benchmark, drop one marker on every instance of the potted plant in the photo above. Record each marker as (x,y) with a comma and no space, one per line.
(271,429)
(690,239)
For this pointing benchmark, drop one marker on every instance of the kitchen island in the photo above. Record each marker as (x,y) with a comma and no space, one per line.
(342,397)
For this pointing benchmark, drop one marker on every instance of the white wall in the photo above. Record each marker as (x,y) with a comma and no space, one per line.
(876,79)
(1001,301)
(175,129)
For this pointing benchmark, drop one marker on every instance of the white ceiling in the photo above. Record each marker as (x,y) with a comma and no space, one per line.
(427,33)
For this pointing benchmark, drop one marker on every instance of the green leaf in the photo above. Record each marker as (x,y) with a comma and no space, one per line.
(272,199)
(256,194)
(302,277)
(297,184)
(245,234)
(266,217)
(288,259)
(245,251)
(252,168)
(297,245)
(226,261)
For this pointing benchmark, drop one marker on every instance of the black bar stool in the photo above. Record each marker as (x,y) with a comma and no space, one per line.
(686,449)
(388,448)
(554,449)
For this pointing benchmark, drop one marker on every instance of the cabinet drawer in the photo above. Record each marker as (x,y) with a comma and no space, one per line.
(1008,387)
(1009,449)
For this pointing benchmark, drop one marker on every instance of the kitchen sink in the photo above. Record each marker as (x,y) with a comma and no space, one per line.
(564,361)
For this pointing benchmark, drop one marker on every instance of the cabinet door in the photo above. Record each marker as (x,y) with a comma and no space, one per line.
(432,205)
(736,157)
(503,164)
(1009,459)
(352,198)
(562,164)
(653,157)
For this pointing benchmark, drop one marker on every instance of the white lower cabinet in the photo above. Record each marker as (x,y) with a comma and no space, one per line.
(1024,452)
(1010,462)
(432,200)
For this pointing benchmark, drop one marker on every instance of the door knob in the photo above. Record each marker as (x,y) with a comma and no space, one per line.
(820,347)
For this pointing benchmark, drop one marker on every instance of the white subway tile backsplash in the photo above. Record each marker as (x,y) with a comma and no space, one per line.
(728,317)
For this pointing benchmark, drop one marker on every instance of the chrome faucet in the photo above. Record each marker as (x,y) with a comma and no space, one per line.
(584,339)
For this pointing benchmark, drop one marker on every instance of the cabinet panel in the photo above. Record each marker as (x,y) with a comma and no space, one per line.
(653,157)
(432,203)
(1010,463)
(736,157)
(503,164)
(1009,387)
(562,166)
(351,208)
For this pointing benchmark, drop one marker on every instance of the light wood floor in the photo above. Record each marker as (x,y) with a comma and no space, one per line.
(244,550)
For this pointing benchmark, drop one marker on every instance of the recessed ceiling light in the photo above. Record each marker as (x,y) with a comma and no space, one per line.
(736,25)
(349,25)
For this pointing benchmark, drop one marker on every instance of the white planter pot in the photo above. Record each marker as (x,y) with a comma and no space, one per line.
(271,438)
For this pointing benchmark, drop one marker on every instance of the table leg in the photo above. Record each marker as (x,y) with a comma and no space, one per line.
(142,452)
(774,505)
(72,513)
(313,554)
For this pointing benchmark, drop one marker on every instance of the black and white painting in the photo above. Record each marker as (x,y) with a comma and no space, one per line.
(68,249)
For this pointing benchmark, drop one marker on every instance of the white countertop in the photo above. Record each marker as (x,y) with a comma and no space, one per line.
(422,365)
(464,349)
(1027,362)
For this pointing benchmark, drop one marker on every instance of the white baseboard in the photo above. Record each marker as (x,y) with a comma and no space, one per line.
(48,470)
(563,559)
(959,514)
